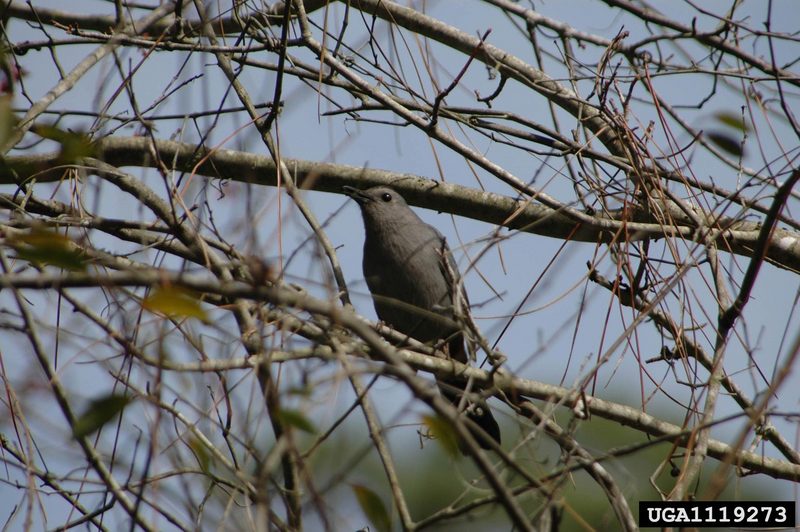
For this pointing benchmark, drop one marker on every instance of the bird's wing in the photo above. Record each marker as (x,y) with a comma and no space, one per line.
(457,296)
(449,270)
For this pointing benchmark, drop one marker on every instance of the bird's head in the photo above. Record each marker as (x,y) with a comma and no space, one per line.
(382,205)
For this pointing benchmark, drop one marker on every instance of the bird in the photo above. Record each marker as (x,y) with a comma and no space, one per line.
(412,277)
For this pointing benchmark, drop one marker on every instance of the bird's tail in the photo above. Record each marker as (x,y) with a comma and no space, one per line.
(478,412)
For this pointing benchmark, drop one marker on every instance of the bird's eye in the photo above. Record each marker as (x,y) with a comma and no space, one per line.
(386,197)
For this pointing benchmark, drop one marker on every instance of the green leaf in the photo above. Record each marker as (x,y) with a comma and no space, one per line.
(444,433)
(175,301)
(302,390)
(373,507)
(74,145)
(726,142)
(41,246)
(99,412)
(297,420)
(204,458)
(732,120)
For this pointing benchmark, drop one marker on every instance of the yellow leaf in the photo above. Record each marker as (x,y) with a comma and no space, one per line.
(732,120)
(373,507)
(204,458)
(74,145)
(444,432)
(8,120)
(174,301)
(41,246)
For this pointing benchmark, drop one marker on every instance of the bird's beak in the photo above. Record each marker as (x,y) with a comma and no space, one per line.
(356,195)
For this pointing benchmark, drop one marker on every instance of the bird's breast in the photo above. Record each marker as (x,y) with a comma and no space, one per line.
(408,285)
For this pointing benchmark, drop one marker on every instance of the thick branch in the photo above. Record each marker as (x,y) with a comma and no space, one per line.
(783,249)
(63,19)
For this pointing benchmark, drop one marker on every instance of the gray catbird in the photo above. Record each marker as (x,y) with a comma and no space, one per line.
(409,270)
